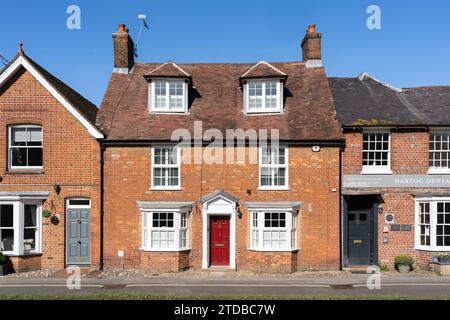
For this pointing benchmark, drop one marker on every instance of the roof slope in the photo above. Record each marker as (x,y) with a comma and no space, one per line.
(365,101)
(216,99)
(84,106)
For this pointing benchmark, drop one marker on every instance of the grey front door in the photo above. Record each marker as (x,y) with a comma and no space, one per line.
(360,226)
(78,249)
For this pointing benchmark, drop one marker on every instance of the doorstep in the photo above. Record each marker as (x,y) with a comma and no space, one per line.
(361,269)
(84,272)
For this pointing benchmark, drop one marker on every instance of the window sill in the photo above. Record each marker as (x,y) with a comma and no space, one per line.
(264,113)
(428,249)
(169,112)
(164,250)
(165,189)
(438,171)
(274,189)
(25,171)
(274,250)
(374,172)
(25,255)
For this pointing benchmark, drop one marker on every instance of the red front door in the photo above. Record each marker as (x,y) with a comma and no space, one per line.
(220,241)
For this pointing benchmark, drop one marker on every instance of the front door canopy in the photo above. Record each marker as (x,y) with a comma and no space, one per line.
(218,193)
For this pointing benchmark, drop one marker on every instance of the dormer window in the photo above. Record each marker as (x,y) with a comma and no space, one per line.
(263,96)
(168,96)
(263,88)
(168,87)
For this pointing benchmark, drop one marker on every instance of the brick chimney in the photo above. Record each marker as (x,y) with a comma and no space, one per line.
(123,50)
(312,47)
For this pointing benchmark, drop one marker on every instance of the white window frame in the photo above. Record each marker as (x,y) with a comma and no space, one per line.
(286,166)
(433,224)
(69,205)
(19,227)
(438,170)
(153,166)
(377,169)
(279,98)
(10,147)
(152,96)
(258,244)
(147,225)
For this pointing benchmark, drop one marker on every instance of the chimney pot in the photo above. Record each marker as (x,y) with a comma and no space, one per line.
(312,28)
(122,28)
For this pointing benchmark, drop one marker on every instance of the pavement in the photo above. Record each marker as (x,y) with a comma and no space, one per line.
(355,285)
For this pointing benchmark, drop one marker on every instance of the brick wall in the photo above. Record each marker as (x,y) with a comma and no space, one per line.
(409,155)
(312,176)
(23,264)
(161,262)
(71,159)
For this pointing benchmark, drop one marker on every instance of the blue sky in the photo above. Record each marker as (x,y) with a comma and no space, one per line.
(411,49)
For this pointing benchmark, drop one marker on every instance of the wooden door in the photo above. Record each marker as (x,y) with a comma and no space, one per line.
(220,240)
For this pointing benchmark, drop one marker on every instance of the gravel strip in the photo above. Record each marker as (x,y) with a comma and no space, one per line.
(45,273)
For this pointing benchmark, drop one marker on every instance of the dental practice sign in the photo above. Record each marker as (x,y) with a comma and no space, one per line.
(396,181)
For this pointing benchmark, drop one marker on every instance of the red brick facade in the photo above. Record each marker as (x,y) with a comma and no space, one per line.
(313,180)
(71,159)
(409,156)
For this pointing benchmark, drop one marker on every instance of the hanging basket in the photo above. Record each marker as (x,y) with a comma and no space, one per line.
(55,219)
(46,213)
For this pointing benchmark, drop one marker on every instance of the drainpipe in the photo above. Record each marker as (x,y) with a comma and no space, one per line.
(102,212)
(341,150)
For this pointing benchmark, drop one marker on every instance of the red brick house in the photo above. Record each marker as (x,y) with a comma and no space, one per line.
(265,208)
(50,171)
(396,170)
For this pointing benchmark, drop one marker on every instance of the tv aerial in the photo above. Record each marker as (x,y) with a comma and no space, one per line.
(143,18)
(3,60)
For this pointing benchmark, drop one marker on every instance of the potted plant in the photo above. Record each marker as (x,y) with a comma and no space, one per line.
(2,263)
(404,263)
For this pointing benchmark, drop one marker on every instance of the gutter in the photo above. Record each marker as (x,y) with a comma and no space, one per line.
(140,143)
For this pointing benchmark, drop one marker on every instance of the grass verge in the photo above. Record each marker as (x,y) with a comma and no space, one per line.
(152,296)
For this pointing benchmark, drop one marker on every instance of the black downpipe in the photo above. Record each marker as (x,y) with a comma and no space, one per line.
(102,192)
(341,233)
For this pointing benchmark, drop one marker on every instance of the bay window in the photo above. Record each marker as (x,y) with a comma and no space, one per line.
(20,227)
(273,168)
(432,230)
(165,230)
(7,228)
(273,230)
